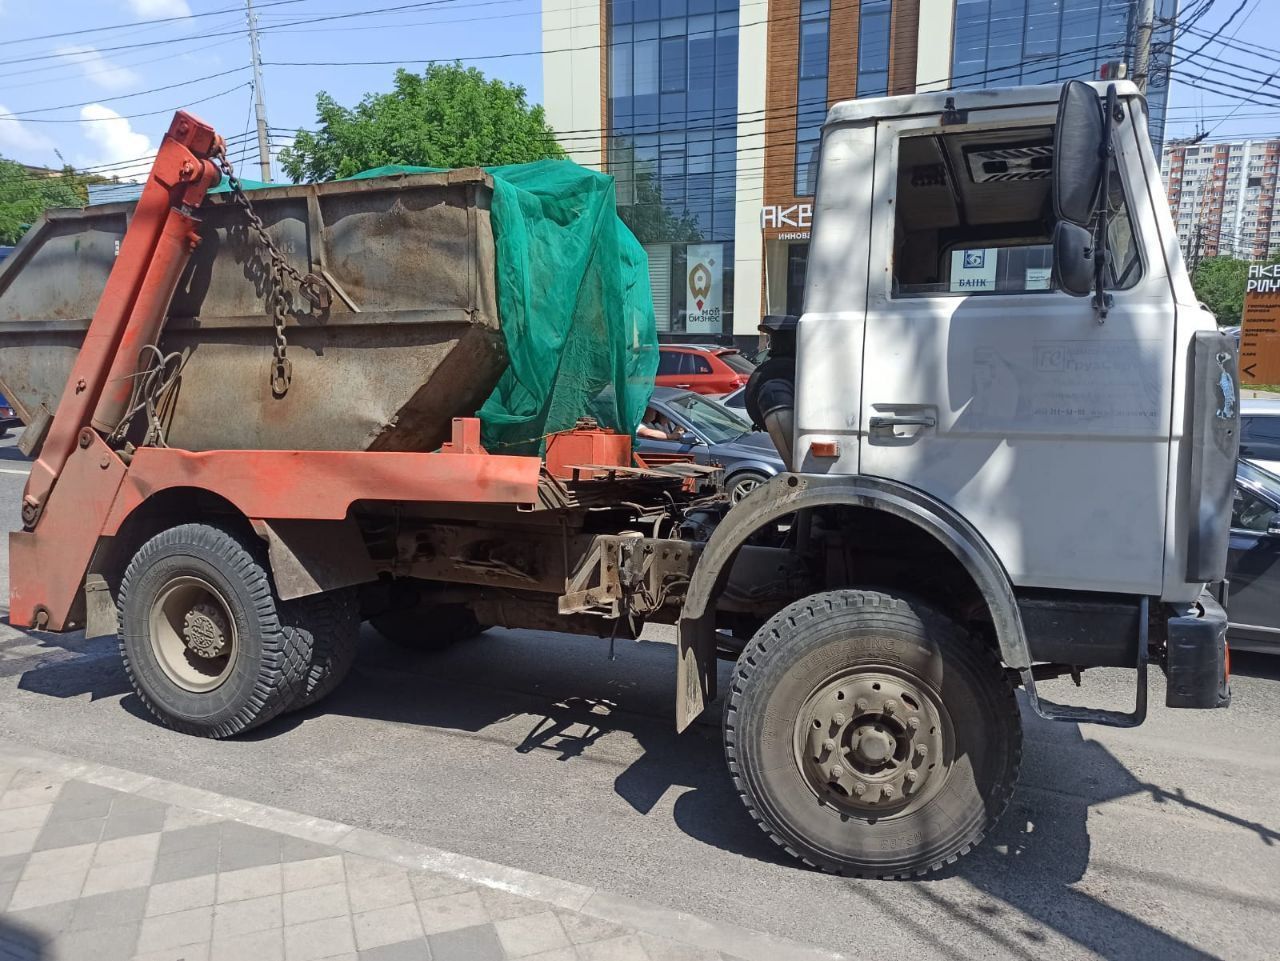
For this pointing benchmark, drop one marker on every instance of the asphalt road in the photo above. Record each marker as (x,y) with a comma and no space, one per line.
(537,751)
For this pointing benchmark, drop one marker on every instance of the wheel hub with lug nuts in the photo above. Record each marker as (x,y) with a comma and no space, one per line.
(872,743)
(205,630)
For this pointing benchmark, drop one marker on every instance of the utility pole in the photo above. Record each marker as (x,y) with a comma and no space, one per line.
(260,108)
(1142,47)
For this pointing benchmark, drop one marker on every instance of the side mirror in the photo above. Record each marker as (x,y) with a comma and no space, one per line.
(1273,528)
(1078,160)
(1073,259)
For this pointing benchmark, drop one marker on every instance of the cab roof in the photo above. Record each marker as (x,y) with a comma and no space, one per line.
(915,104)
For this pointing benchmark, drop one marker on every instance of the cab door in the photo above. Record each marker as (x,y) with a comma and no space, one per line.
(1007,399)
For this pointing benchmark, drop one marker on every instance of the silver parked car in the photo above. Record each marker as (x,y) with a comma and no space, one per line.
(713,434)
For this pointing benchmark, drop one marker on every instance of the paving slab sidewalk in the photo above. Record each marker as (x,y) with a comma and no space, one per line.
(101,864)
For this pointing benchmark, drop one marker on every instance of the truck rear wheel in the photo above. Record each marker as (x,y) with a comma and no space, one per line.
(428,627)
(208,646)
(332,620)
(870,735)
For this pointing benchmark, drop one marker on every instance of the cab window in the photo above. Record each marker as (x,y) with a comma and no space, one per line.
(974,215)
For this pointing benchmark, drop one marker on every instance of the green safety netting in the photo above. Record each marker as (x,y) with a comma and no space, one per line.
(573,294)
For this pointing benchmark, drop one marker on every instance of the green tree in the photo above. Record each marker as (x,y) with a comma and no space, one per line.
(1220,283)
(25,195)
(447,116)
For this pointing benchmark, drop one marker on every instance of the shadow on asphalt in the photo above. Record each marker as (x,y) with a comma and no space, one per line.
(573,697)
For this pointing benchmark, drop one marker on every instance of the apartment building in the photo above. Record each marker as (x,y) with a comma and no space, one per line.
(1223,197)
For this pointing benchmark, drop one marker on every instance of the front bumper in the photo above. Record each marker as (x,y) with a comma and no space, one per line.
(1197,661)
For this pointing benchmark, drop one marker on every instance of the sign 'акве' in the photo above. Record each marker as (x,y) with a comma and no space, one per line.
(1260,330)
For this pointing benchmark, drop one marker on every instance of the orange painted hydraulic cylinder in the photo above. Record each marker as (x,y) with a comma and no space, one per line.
(146,320)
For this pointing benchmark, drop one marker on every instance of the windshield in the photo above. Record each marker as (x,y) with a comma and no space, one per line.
(717,424)
(1264,479)
(737,362)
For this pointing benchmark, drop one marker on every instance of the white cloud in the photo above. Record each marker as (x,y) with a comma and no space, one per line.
(115,142)
(19,140)
(159,9)
(97,69)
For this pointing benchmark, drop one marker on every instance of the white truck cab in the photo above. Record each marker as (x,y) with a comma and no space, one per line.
(1011,434)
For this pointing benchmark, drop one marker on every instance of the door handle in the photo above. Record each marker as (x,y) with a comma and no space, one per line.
(903,420)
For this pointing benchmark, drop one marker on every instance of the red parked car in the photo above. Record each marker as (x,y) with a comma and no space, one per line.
(703,369)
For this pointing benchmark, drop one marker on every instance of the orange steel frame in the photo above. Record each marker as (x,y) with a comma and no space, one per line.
(81,490)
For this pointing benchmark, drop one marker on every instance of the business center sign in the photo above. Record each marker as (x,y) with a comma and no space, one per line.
(786,221)
(1260,327)
(704,289)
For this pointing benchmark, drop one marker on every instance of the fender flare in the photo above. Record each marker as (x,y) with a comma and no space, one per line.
(788,493)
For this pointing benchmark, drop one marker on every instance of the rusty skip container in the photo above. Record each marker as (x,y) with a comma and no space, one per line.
(411,340)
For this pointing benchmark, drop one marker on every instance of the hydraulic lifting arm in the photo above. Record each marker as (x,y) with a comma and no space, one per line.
(155,250)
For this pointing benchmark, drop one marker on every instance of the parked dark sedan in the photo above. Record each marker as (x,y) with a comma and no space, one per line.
(1253,568)
(713,434)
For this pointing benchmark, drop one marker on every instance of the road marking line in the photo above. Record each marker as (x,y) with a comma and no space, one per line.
(12,470)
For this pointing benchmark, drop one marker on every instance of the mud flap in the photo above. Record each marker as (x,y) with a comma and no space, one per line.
(696,669)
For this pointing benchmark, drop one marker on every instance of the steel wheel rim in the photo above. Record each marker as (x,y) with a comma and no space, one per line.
(743,487)
(873,743)
(193,634)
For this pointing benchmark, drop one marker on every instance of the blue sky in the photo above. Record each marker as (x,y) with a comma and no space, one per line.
(102,129)
(1243,25)
(97,122)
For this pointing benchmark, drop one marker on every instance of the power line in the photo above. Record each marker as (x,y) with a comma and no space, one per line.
(208,36)
(128,116)
(15,114)
(121,26)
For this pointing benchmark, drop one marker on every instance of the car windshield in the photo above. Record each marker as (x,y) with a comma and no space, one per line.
(1263,479)
(714,422)
(736,362)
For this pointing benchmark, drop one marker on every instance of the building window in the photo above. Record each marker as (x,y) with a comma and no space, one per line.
(671,148)
(873,47)
(811,91)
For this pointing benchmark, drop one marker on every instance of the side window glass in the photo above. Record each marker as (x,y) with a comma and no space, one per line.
(1125,265)
(700,364)
(1260,438)
(974,215)
(1252,513)
(668,363)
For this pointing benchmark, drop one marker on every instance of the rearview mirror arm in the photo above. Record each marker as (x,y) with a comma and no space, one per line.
(1102,300)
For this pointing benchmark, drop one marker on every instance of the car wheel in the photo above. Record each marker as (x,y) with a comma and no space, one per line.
(743,484)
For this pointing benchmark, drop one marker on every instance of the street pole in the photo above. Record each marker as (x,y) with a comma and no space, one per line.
(260,108)
(1142,46)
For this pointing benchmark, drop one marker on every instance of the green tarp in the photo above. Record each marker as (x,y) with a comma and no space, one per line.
(573,294)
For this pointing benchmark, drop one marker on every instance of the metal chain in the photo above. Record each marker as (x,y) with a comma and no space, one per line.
(311,286)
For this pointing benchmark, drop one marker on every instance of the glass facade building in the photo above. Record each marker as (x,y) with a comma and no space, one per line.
(1012,42)
(672,141)
(709,113)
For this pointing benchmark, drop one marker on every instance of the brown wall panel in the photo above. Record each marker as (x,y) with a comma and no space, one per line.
(904,35)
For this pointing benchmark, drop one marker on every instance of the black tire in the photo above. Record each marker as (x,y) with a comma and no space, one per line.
(268,671)
(332,621)
(428,628)
(828,805)
(743,483)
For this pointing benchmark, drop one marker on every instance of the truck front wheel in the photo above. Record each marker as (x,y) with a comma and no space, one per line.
(870,735)
(208,646)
